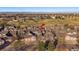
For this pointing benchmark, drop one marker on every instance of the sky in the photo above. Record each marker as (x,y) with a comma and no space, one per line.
(39,9)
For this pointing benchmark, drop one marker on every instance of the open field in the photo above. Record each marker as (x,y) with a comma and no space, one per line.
(39,32)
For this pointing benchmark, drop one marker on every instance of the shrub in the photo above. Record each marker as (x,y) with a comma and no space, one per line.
(51,47)
(18,45)
(41,46)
